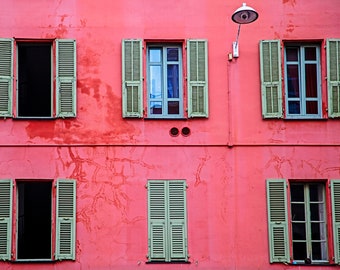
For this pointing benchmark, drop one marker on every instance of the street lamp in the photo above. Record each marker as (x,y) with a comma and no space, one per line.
(242,15)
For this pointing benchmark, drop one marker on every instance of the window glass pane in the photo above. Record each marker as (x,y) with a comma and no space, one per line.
(155,55)
(296,193)
(299,231)
(316,211)
(310,53)
(173,107)
(172,54)
(293,80)
(292,54)
(156,107)
(315,193)
(294,107)
(319,251)
(173,81)
(299,251)
(312,107)
(319,231)
(298,212)
(155,82)
(311,80)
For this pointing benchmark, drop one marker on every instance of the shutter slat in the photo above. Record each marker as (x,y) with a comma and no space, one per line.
(66,78)
(271,87)
(335,194)
(6,77)
(277,220)
(6,194)
(333,77)
(132,79)
(66,219)
(197,55)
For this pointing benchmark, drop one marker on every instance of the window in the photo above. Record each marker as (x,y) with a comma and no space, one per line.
(36,62)
(165,91)
(165,79)
(302,80)
(34,231)
(167,222)
(298,230)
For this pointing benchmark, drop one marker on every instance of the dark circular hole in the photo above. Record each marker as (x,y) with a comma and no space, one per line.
(174,131)
(185,131)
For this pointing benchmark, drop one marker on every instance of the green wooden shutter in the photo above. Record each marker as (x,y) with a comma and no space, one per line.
(197,59)
(335,194)
(157,220)
(132,78)
(66,219)
(5,219)
(271,85)
(66,77)
(177,220)
(333,77)
(277,220)
(6,77)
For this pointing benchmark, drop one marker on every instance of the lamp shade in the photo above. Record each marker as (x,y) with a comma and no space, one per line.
(244,15)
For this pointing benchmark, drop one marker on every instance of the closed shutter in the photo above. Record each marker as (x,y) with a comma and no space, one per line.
(5,219)
(277,220)
(333,77)
(157,220)
(6,77)
(66,219)
(335,194)
(197,54)
(66,78)
(167,220)
(177,220)
(271,85)
(132,78)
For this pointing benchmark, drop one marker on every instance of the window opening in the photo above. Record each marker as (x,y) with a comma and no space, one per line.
(303,92)
(165,81)
(309,228)
(34,220)
(34,80)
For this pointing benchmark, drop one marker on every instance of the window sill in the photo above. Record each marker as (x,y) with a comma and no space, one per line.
(33,261)
(172,262)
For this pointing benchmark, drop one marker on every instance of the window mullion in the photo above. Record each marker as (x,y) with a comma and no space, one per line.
(302,81)
(308,222)
(165,82)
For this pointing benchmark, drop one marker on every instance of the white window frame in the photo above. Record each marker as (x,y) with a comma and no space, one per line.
(302,99)
(163,64)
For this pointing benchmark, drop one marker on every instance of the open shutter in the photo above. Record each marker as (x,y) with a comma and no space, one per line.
(157,220)
(66,78)
(271,85)
(335,193)
(6,77)
(333,77)
(197,58)
(277,220)
(177,220)
(132,80)
(66,219)
(5,219)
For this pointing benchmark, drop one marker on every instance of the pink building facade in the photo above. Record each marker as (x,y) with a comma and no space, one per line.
(131,138)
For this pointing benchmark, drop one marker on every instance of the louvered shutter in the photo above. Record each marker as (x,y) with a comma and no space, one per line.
(197,59)
(66,78)
(66,219)
(157,220)
(277,220)
(177,220)
(132,80)
(6,77)
(335,194)
(333,77)
(271,85)
(5,219)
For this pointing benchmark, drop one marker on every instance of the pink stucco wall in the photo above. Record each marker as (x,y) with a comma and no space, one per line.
(225,160)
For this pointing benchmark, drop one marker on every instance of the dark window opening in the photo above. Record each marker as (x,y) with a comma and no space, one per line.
(34,80)
(34,220)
